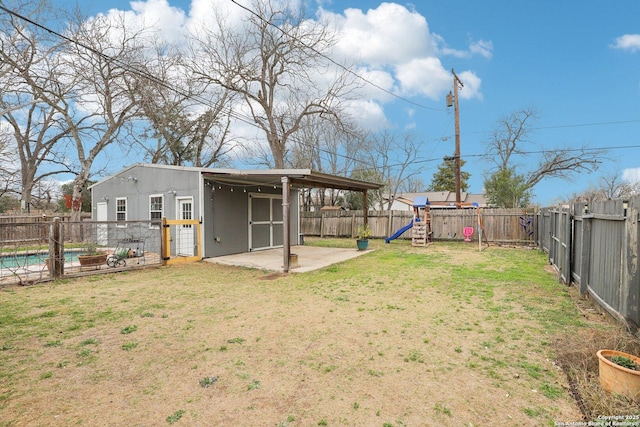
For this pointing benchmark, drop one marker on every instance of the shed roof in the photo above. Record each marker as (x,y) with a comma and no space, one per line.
(297,177)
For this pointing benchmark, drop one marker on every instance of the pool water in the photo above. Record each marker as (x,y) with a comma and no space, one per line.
(28,260)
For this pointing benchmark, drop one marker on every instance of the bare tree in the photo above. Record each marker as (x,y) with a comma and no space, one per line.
(413,184)
(190,119)
(322,146)
(510,146)
(610,186)
(104,88)
(392,156)
(9,173)
(30,80)
(277,64)
(613,186)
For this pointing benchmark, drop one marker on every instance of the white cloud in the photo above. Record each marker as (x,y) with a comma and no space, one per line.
(166,22)
(424,76)
(631,175)
(390,45)
(629,42)
(471,87)
(367,113)
(397,42)
(380,78)
(386,35)
(483,48)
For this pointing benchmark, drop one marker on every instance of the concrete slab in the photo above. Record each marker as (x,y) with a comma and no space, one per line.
(309,258)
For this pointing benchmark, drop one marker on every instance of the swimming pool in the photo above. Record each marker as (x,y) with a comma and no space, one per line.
(25,260)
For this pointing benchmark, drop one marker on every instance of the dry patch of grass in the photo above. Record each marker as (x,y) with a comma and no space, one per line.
(577,353)
(442,335)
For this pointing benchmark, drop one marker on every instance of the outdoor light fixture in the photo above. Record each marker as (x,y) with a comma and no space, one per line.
(585,210)
(171,191)
(105,199)
(625,206)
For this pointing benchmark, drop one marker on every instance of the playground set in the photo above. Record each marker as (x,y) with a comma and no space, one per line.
(420,225)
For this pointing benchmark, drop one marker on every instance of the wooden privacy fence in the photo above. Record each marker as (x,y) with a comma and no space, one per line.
(500,225)
(25,228)
(595,247)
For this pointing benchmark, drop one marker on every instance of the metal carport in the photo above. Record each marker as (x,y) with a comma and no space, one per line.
(287,179)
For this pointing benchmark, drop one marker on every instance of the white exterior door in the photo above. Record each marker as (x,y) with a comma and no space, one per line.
(186,240)
(102,230)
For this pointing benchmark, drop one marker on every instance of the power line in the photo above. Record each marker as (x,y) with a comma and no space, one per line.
(621,122)
(334,62)
(248,120)
(145,74)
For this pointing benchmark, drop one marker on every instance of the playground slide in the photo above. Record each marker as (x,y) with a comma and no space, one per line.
(399,232)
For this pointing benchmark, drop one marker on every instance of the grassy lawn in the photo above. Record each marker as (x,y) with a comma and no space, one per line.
(402,336)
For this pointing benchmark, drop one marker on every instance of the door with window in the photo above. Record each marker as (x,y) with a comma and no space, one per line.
(186,239)
(265,221)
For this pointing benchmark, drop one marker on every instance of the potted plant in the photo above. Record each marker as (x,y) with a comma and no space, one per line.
(90,255)
(364,233)
(619,373)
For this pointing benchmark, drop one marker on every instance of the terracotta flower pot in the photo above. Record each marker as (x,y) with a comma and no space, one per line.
(87,260)
(618,379)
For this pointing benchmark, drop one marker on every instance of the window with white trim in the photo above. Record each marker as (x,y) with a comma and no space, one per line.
(156,208)
(121,210)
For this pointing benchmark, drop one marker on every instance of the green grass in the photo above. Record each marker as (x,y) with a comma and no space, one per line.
(383,327)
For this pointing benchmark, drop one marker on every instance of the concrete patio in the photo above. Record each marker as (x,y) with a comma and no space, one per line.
(309,258)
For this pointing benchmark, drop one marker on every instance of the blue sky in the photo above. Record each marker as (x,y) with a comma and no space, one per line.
(561,58)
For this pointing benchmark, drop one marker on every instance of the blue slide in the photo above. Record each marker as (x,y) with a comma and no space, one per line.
(399,232)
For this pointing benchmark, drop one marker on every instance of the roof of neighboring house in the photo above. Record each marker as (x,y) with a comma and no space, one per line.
(440,198)
(297,177)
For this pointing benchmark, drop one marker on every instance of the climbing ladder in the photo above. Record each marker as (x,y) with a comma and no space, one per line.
(421,233)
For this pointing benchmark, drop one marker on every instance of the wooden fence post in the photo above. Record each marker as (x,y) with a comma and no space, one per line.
(166,241)
(353,226)
(56,259)
(586,250)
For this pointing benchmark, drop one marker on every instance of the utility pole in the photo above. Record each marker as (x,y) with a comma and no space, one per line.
(454,98)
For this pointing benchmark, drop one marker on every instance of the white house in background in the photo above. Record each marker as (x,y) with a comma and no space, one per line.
(437,199)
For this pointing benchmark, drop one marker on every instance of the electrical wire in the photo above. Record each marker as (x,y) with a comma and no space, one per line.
(334,62)
(248,120)
(145,74)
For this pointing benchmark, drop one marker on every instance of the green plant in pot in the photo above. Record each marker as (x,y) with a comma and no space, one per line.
(364,233)
(619,373)
(90,255)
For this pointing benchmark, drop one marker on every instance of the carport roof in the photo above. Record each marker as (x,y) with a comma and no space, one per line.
(297,177)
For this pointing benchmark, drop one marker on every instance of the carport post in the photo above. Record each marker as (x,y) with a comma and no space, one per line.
(286,235)
(365,207)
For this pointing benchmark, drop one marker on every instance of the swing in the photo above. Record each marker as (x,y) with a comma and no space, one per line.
(467,232)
